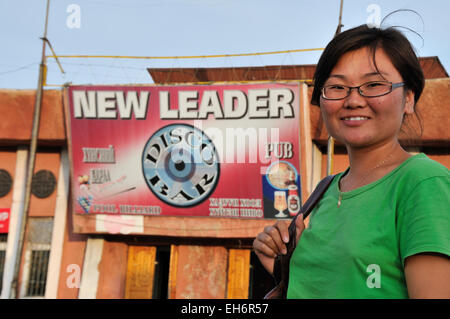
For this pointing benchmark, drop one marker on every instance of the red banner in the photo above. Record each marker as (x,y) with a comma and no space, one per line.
(4,220)
(195,150)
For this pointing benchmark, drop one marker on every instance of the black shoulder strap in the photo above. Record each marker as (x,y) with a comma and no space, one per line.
(315,196)
(308,206)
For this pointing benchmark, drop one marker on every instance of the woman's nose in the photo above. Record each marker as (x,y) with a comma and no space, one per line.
(355,99)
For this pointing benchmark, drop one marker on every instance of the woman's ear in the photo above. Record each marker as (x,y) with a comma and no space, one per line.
(409,102)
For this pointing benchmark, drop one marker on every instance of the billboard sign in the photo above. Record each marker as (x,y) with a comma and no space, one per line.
(228,150)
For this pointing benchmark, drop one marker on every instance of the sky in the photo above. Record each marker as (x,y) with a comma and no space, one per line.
(167,28)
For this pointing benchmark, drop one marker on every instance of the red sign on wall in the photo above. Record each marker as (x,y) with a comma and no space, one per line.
(4,220)
(196,150)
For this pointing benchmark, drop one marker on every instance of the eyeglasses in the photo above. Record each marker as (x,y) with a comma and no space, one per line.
(369,89)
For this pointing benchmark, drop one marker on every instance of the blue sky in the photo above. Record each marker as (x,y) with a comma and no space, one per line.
(191,27)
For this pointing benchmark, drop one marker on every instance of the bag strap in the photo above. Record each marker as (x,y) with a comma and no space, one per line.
(312,200)
(282,261)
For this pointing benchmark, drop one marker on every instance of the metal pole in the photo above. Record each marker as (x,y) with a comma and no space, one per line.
(340,25)
(330,145)
(31,162)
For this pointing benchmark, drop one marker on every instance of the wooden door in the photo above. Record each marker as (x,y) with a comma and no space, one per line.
(140,272)
(238,273)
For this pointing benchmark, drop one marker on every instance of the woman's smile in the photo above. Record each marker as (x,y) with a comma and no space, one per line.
(355,120)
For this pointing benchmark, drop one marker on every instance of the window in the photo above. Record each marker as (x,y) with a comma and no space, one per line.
(37,277)
(37,255)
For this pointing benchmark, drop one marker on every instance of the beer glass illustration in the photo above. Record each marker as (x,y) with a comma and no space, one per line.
(280,203)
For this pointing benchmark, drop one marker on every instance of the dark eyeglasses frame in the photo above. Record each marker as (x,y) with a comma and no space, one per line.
(350,88)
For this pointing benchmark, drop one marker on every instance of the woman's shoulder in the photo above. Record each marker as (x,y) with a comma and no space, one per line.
(420,169)
(423,167)
(422,178)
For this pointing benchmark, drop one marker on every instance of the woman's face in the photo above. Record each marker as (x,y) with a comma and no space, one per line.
(359,121)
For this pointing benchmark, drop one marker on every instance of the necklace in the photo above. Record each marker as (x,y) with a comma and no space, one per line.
(363,178)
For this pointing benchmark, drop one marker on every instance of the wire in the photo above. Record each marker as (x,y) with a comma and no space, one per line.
(116,63)
(20,68)
(183,57)
(105,66)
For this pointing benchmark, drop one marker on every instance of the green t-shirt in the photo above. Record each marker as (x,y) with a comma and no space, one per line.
(358,250)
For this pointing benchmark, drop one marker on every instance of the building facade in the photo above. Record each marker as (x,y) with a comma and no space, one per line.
(68,255)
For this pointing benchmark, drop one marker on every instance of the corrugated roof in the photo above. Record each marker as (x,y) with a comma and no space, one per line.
(17,108)
(431,66)
(235,74)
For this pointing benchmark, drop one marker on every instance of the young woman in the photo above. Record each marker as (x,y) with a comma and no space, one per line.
(382,229)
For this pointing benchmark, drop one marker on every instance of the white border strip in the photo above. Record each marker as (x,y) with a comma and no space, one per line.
(91,274)
(59,227)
